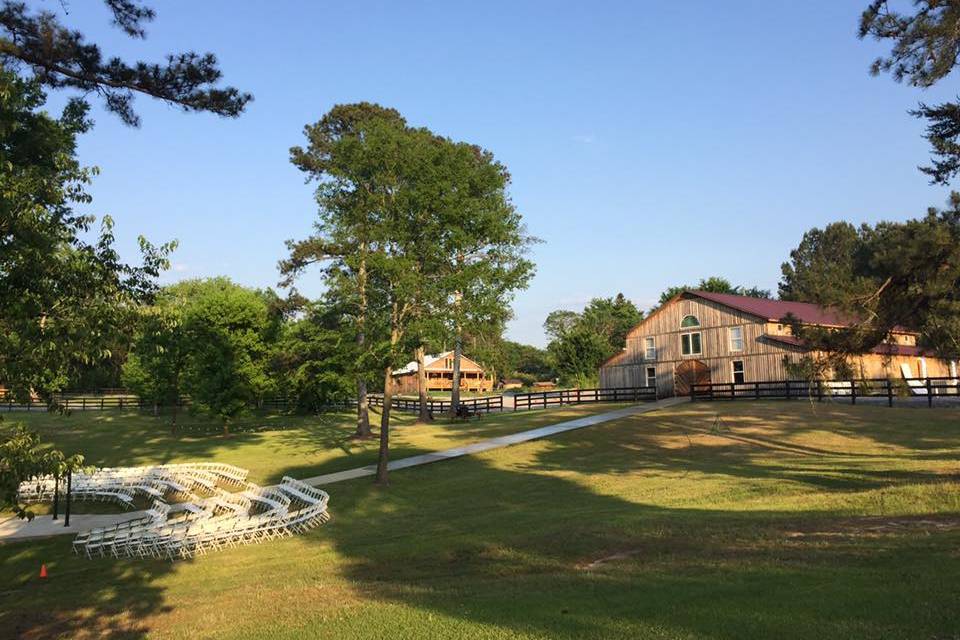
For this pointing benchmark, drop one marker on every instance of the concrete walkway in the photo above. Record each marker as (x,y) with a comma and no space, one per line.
(496,443)
(44,526)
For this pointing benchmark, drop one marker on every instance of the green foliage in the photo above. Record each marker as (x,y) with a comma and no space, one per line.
(313,358)
(891,275)
(415,233)
(582,341)
(156,364)
(66,302)
(62,58)
(713,284)
(923,52)
(22,457)
(827,265)
(225,326)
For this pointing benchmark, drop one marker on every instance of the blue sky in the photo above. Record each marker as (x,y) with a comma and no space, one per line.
(650,144)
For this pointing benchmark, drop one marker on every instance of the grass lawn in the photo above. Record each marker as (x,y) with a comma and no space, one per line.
(780,520)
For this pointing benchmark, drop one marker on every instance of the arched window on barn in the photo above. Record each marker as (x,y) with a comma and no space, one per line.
(691,342)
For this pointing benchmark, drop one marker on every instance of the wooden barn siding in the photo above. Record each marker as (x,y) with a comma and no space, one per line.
(762,359)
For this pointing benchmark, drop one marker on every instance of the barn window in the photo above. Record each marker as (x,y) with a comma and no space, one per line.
(652,377)
(690,344)
(689,321)
(738,371)
(649,349)
(736,338)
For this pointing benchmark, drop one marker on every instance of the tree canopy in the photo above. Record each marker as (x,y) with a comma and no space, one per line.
(887,276)
(925,44)
(713,284)
(580,342)
(59,57)
(65,299)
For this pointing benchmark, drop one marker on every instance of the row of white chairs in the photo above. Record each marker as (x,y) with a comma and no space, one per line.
(221,520)
(123,484)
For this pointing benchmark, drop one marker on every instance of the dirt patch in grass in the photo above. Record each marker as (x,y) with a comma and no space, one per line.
(874,526)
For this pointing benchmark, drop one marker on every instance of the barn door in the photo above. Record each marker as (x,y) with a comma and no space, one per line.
(690,372)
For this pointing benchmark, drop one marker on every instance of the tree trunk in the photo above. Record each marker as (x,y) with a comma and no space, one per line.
(363,409)
(173,420)
(384,455)
(424,415)
(156,409)
(455,389)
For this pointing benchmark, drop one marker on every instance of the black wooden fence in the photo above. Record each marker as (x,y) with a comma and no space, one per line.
(928,389)
(91,402)
(473,405)
(544,399)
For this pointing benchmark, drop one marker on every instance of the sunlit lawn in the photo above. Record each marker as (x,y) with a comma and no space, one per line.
(781,520)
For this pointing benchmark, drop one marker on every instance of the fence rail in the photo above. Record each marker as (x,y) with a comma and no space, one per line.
(474,405)
(545,399)
(90,402)
(888,388)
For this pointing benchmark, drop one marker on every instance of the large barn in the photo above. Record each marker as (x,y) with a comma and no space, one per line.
(439,374)
(700,337)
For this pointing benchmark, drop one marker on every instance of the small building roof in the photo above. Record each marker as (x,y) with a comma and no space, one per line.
(466,364)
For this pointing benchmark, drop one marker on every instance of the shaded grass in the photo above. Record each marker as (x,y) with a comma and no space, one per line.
(786,521)
(268,445)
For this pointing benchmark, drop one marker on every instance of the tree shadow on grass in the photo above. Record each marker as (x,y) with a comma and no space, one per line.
(81,599)
(535,554)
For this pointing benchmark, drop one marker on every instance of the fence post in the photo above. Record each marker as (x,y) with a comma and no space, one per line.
(101,402)
(819,390)
(889,393)
(788,389)
(756,390)
(83,404)
(853,391)
(693,395)
(929,393)
(733,392)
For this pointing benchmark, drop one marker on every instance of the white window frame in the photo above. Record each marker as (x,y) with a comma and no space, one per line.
(733,348)
(647,379)
(649,347)
(733,370)
(688,334)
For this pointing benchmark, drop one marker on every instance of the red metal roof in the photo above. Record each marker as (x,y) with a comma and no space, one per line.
(884,349)
(774,310)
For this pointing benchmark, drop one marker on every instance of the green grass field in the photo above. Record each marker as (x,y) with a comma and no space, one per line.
(779,520)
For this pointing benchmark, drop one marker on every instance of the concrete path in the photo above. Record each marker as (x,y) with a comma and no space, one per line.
(43,526)
(496,443)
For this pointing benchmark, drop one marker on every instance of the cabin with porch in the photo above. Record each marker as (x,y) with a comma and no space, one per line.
(699,337)
(439,374)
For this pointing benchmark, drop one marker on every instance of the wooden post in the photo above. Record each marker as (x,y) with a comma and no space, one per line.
(756,390)
(66,515)
(853,392)
(889,392)
(929,393)
(733,392)
(788,389)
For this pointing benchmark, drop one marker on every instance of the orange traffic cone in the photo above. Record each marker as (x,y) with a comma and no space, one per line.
(43,571)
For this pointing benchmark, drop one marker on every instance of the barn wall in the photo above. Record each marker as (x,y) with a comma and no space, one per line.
(763,359)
